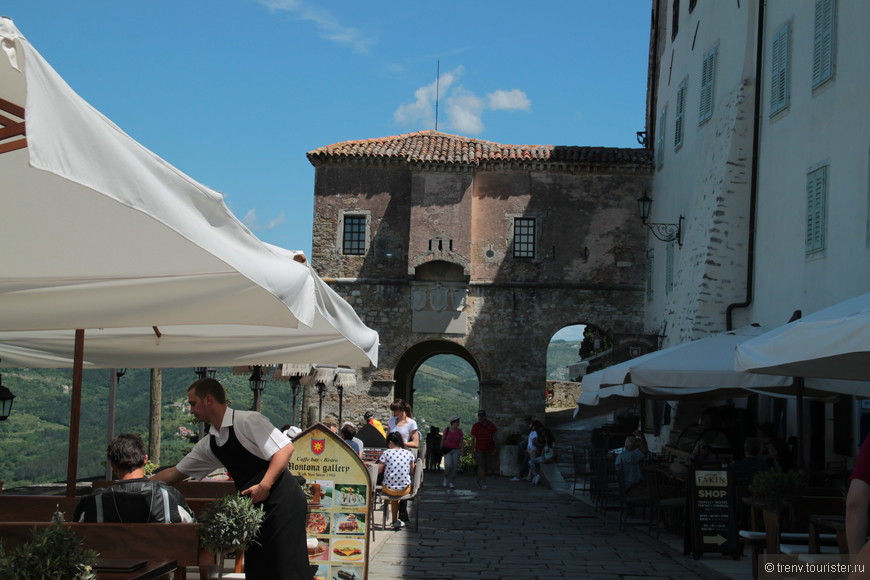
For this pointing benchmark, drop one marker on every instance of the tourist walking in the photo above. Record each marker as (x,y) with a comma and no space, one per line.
(483,441)
(451,448)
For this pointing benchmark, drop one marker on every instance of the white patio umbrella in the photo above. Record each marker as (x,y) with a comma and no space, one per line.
(99,233)
(831,343)
(703,367)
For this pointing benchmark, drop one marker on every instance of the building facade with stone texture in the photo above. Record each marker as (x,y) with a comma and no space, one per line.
(759,121)
(451,245)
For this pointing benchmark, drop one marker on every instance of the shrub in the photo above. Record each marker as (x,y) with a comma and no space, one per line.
(54,553)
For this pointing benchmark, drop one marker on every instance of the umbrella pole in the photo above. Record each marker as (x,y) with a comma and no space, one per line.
(75,411)
(799,382)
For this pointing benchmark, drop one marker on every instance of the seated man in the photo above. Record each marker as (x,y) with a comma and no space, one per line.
(135,498)
(745,469)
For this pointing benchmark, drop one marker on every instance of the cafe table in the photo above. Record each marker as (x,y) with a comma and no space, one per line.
(115,569)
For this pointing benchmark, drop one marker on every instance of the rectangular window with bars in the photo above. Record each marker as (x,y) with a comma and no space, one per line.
(823,42)
(524,237)
(681,109)
(708,84)
(779,70)
(353,241)
(817,201)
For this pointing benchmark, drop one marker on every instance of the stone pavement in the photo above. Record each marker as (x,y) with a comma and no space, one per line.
(519,530)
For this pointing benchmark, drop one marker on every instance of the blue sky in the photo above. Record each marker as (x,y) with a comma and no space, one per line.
(235,92)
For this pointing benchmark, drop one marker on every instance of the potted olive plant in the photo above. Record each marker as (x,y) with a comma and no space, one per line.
(230,524)
(777,489)
(55,552)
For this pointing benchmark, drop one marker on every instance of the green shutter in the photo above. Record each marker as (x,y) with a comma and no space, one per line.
(823,42)
(669,268)
(817,190)
(660,139)
(649,274)
(681,109)
(708,82)
(779,70)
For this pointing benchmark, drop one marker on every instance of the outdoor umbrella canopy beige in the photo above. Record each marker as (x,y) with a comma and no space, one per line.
(103,237)
(703,367)
(831,343)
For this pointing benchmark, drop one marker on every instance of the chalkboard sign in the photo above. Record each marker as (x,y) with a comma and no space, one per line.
(712,512)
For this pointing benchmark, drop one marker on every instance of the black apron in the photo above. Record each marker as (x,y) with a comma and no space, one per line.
(281,552)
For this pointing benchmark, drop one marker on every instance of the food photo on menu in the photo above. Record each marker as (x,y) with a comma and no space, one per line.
(317,523)
(350,495)
(349,523)
(347,550)
(322,572)
(346,573)
(319,493)
(320,551)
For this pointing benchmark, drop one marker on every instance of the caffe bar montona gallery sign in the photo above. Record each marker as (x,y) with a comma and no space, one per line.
(339,493)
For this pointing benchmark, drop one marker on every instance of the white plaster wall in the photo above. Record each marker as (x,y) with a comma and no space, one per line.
(830,124)
(707,179)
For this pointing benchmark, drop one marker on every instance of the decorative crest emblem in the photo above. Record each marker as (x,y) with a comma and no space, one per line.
(318,446)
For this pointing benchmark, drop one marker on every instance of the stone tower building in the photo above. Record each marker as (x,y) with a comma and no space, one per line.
(451,245)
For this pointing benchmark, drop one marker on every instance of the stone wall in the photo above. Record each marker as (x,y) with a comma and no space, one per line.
(439,275)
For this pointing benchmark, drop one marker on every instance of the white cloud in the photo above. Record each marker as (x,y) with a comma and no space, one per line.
(328,26)
(511,100)
(254,225)
(464,112)
(422,110)
(463,109)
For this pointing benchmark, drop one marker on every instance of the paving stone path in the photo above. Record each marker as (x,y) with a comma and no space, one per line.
(519,530)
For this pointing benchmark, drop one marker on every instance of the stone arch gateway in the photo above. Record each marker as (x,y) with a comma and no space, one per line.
(481,250)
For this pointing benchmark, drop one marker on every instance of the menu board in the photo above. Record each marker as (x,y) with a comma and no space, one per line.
(712,512)
(338,490)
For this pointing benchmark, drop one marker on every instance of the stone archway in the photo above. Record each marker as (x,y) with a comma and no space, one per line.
(412,358)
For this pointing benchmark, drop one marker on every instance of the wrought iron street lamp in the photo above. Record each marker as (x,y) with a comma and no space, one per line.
(258,383)
(664,232)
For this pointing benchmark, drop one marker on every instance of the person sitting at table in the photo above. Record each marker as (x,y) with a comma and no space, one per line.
(348,433)
(630,461)
(745,469)
(397,464)
(134,498)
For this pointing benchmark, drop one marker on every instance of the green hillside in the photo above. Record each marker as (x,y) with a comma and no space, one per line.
(34,440)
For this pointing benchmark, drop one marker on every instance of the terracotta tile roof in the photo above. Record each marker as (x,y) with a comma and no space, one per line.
(436,147)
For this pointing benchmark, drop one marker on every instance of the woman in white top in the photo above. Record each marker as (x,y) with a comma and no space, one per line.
(403,422)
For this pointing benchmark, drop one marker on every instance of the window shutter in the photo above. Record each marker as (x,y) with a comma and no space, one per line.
(681,109)
(708,78)
(660,139)
(669,268)
(817,185)
(779,70)
(823,42)
(649,274)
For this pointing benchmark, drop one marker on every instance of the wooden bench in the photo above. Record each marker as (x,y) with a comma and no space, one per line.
(40,508)
(154,542)
(190,488)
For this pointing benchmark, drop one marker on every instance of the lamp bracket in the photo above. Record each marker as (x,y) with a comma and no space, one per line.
(667,232)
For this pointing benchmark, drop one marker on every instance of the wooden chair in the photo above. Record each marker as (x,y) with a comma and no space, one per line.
(416,489)
(665,499)
(582,469)
(604,479)
(629,503)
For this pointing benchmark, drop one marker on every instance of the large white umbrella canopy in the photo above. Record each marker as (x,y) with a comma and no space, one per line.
(100,233)
(831,343)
